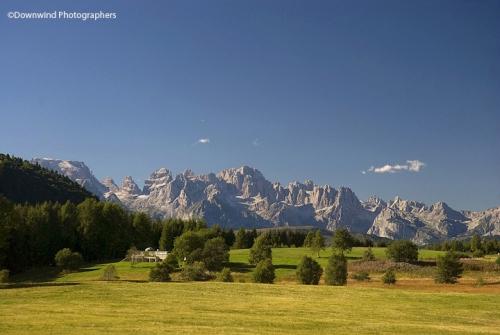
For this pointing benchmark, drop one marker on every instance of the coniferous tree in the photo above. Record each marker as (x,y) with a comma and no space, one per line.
(449,268)
(318,242)
(308,271)
(342,241)
(308,240)
(260,250)
(336,270)
(475,243)
(241,239)
(264,272)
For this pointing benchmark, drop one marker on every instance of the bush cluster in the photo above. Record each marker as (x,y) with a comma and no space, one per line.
(202,246)
(160,272)
(68,260)
(196,271)
(225,276)
(403,251)
(389,277)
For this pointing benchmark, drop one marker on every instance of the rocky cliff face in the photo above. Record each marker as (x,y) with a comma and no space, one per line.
(242,197)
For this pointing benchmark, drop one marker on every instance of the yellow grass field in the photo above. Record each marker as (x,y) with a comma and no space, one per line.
(242,308)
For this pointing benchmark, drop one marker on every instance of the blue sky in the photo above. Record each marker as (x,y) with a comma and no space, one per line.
(299,89)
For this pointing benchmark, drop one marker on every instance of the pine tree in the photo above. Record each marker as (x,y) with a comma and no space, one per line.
(342,241)
(318,242)
(336,270)
(449,268)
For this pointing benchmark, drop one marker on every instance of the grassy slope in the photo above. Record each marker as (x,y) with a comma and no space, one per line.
(284,259)
(235,308)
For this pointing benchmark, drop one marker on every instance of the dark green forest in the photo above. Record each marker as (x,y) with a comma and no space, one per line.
(21,181)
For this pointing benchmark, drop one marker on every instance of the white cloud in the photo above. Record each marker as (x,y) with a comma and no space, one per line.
(256,142)
(411,166)
(204,140)
(415,166)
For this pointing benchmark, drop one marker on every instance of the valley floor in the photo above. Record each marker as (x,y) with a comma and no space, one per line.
(242,308)
(45,302)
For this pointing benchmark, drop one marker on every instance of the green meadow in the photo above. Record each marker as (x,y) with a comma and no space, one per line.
(43,301)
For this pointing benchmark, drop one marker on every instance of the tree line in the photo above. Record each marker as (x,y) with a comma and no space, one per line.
(30,235)
(477,245)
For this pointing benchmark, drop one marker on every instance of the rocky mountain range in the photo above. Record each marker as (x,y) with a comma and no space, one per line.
(242,197)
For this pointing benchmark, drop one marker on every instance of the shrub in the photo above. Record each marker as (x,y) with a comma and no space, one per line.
(497,262)
(336,270)
(110,273)
(264,272)
(403,251)
(4,276)
(478,253)
(309,271)
(195,272)
(261,250)
(215,253)
(172,261)
(161,272)
(480,282)
(368,255)
(449,268)
(68,260)
(389,277)
(361,276)
(225,276)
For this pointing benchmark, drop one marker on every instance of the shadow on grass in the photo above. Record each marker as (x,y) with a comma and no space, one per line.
(45,274)
(285,266)
(425,263)
(245,268)
(28,285)
(36,275)
(240,267)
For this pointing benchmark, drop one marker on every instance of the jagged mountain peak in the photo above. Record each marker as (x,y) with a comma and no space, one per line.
(110,184)
(243,170)
(242,196)
(374,204)
(406,205)
(129,186)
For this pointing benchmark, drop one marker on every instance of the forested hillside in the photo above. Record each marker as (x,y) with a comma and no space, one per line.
(21,181)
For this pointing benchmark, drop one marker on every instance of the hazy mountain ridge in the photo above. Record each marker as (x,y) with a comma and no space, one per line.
(243,197)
